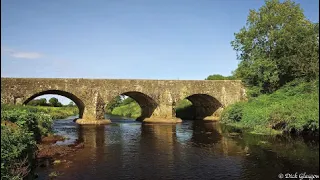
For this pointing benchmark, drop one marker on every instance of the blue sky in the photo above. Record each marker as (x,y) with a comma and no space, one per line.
(136,39)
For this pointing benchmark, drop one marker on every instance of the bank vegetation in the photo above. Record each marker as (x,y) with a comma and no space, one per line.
(22,128)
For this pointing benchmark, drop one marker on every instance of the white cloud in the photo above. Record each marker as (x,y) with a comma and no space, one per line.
(20,54)
(26,55)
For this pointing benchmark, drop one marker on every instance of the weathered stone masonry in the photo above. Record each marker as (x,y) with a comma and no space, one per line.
(157,98)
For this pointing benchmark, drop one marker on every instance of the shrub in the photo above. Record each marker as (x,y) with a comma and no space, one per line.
(233,113)
(21,127)
(38,123)
(17,147)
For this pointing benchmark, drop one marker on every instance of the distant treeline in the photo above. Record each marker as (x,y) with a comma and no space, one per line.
(221,77)
(53,102)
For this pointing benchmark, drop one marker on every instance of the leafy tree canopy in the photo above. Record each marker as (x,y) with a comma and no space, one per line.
(220,77)
(128,100)
(55,102)
(38,102)
(71,104)
(278,44)
(114,103)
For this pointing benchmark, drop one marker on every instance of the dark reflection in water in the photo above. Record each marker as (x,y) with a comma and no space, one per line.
(128,149)
(205,134)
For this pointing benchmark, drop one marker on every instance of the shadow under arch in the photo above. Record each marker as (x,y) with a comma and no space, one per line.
(146,103)
(71,96)
(203,105)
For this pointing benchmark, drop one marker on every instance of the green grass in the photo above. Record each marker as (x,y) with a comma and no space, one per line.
(128,110)
(54,112)
(293,108)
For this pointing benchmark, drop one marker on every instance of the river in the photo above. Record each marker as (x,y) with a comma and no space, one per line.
(127,149)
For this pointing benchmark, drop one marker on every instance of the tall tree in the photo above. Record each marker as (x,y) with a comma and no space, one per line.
(277,45)
(114,103)
(54,102)
(71,104)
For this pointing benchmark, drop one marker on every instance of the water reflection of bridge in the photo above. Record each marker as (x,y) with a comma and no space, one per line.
(131,150)
(160,138)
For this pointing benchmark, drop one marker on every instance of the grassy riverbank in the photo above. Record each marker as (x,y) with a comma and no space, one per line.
(22,128)
(294,108)
(54,112)
(131,109)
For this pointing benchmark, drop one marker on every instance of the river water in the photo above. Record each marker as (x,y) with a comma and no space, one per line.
(127,149)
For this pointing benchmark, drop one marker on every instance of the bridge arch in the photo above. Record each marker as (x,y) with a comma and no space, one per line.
(146,103)
(203,106)
(69,95)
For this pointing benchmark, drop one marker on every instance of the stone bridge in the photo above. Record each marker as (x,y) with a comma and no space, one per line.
(157,98)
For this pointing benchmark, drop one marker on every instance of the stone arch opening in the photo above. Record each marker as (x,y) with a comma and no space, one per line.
(145,102)
(198,107)
(71,96)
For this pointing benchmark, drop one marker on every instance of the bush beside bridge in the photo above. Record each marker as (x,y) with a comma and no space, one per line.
(21,128)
